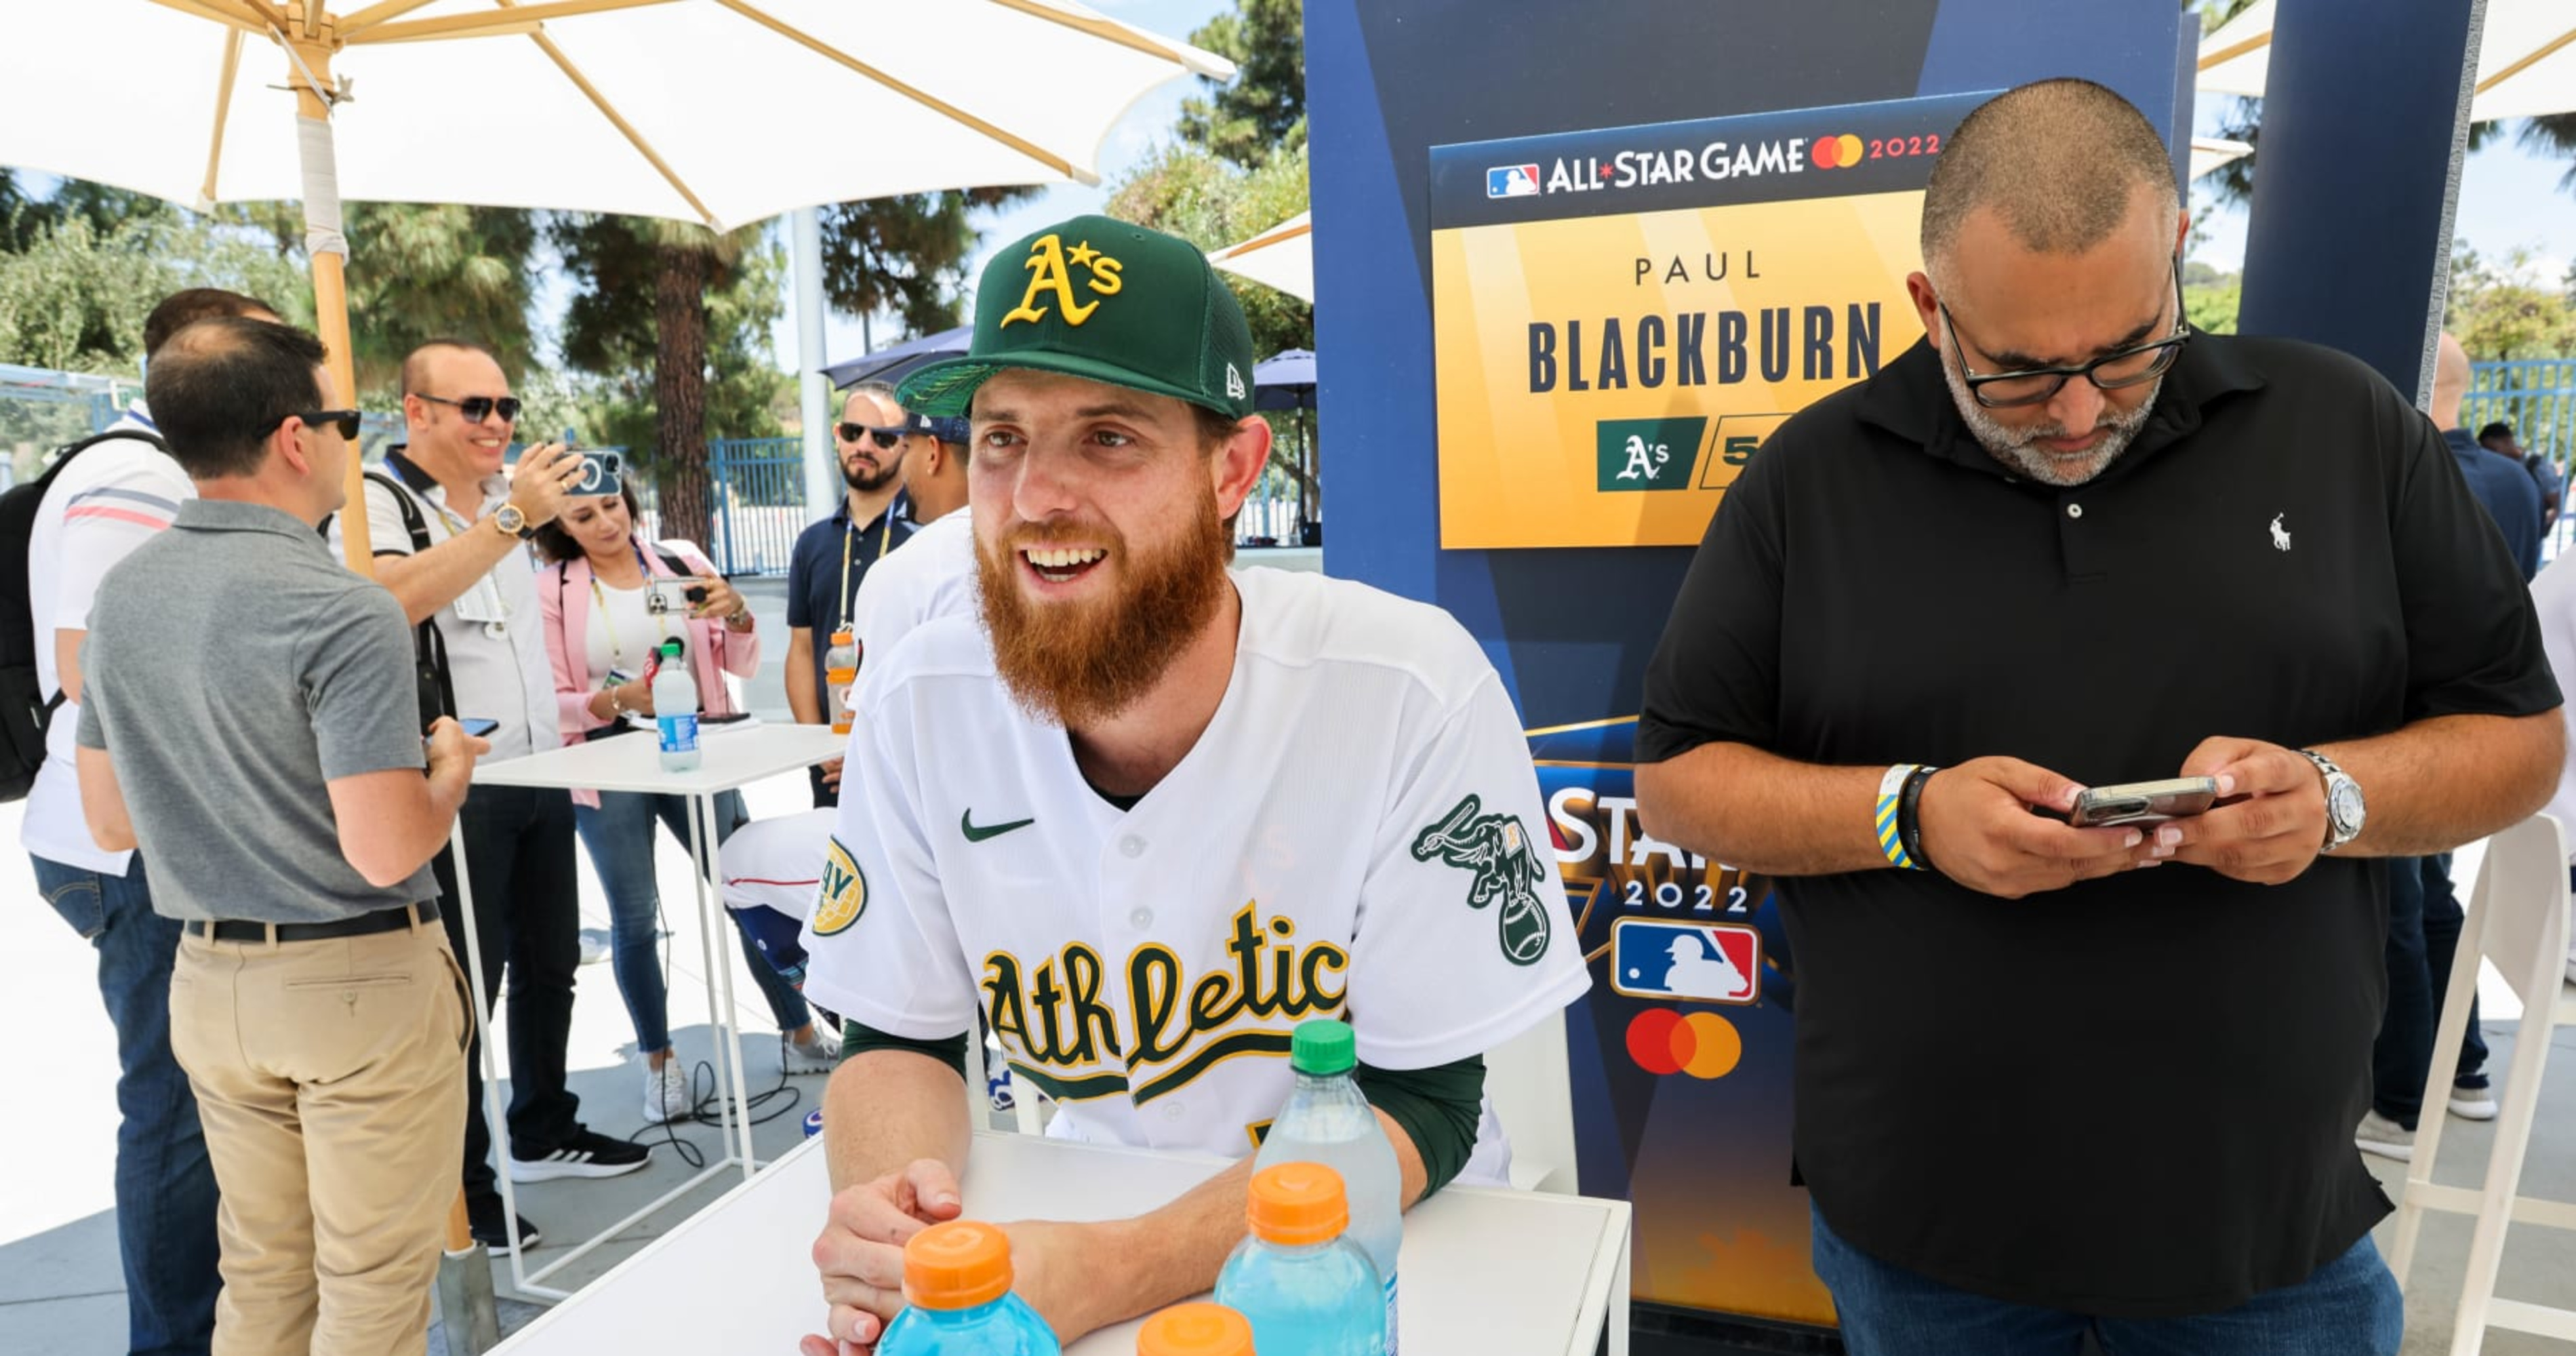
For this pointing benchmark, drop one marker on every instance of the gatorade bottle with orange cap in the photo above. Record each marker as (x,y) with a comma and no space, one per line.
(1307,1290)
(957,1286)
(1195,1330)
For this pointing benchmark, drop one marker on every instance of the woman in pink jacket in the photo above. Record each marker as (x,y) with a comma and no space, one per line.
(600,632)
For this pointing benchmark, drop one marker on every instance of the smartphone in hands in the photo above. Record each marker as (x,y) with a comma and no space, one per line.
(2143,802)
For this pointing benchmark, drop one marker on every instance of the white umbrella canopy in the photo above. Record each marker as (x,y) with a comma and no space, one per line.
(715,111)
(2208,153)
(2526,58)
(1283,257)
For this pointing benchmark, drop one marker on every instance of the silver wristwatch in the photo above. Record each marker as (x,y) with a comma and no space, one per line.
(2345,811)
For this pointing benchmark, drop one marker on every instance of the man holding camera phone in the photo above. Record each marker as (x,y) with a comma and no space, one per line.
(474,578)
(2054,1080)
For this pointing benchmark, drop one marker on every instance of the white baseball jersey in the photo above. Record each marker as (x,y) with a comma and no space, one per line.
(777,862)
(932,576)
(1358,834)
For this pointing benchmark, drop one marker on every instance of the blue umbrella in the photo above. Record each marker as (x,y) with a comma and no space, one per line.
(892,365)
(1285,381)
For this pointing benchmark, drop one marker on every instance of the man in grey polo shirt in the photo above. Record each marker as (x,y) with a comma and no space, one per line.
(278,783)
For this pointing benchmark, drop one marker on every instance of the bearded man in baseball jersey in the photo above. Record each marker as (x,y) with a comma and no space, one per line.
(1154,812)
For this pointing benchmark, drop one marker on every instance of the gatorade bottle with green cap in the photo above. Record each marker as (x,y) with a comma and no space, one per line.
(1327,1121)
(957,1289)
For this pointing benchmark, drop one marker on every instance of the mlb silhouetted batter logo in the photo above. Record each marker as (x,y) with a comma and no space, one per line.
(2280,534)
(1050,267)
(1497,849)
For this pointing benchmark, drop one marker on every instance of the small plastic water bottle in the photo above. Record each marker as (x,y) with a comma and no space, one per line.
(1328,1121)
(1305,1288)
(840,673)
(957,1284)
(675,710)
(1195,1330)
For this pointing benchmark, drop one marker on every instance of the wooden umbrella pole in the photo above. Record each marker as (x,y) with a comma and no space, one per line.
(310,78)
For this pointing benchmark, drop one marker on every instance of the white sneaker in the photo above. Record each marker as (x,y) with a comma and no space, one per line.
(595,945)
(816,1056)
(2474,1104)
(666,1092)
(2384,1137)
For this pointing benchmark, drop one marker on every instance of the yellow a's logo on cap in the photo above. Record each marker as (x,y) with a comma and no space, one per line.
(1050,268)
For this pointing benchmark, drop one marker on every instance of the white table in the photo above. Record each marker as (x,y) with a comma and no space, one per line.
(1488,1272)
(730,759)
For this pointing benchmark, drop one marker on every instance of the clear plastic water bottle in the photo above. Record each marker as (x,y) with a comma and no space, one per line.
(1195,1330)
(1306,1289)
(957,1284)
(675,710)
(1327,1121)
(840,673)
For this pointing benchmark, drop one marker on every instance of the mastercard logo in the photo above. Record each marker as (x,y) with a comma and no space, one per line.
(1701,1044)
(1835,152)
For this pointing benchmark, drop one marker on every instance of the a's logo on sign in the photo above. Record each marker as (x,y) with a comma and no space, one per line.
(1512,181)
(1050,268)
(1686,962)
(1646,454)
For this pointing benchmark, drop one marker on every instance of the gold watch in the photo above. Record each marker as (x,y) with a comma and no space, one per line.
(510,521)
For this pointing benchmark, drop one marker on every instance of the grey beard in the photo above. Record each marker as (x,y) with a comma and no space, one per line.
(2019,450)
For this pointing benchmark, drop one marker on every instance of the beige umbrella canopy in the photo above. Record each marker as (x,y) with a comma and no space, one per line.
(715,111)
(2526,58)
(1283,257)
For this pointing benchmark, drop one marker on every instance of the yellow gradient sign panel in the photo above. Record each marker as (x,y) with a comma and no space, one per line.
(1742,315)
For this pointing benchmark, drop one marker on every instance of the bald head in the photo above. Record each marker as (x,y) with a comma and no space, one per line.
(2061,163)
(2450,382)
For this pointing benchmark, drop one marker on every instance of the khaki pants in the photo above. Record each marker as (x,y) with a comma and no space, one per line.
(330,1078)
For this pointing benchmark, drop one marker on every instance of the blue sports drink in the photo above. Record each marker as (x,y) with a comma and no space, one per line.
(1306,1289)
(957,1282)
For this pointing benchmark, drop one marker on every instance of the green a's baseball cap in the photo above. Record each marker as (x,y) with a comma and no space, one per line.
(1107,301)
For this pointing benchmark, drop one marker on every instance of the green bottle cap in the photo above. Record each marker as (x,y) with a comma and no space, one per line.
(1323,1047)
(669,648)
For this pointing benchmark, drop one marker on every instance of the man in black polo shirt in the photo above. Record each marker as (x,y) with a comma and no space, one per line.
(832,556)
(2040,1090)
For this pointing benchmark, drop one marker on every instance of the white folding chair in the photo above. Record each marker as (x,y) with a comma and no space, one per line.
(2517,918)
(1027,1116)
(1526,1077)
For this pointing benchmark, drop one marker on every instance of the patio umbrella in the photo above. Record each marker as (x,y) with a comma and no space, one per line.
(1284,381)
(891,365)
(2208,153)
(1283,257)
(697,110)
(2526,58)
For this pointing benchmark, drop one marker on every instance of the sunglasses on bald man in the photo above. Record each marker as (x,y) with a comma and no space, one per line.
(885,437)
(476,409)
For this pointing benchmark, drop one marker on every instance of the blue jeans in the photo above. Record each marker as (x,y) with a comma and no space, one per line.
(2348,1307)
(619,835)
(165,1184)
(2424,919)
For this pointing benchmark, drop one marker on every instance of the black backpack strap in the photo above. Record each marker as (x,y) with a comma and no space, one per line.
(413,523)
(429,648)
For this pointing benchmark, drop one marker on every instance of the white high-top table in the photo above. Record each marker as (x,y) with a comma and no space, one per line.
(1484,1272)
(730,759)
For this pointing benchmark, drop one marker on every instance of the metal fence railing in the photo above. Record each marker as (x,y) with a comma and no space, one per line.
(2538,398)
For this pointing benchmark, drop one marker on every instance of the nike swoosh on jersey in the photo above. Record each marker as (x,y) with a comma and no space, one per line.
(966,826)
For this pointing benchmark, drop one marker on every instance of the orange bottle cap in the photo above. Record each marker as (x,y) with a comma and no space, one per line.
(1196,1330)
(957,1265)
(1297,1204)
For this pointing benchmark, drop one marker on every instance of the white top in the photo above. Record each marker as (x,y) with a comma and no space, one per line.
(932,576)
(1358,833)
(2553,596)
(622,634)
(496,645)
(111,499)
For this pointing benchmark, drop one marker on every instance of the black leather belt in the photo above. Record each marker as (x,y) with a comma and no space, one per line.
(365,924)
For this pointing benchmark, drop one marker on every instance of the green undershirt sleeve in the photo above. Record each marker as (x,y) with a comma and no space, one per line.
(1438,1107)
(948,1050)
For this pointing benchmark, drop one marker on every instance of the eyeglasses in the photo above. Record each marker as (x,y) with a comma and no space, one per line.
(476,409)
(2130,366)
(345,420)
(885,437)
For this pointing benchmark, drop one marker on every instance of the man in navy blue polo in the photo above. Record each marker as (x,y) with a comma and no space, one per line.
(832,556)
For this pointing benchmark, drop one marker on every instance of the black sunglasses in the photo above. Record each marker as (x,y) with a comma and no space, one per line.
(345,420)
(2130,366)
(476,409)
(885,437)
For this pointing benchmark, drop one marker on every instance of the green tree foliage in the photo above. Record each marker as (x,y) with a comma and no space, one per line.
(905,255)
(1213,203)
(2504,310)
(1262,111)
(674,321)
(74,297)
